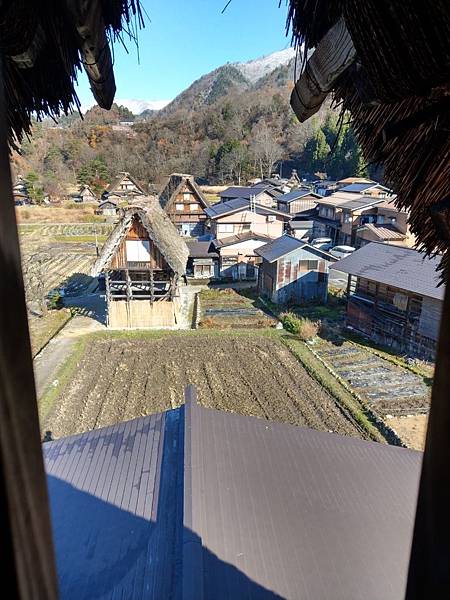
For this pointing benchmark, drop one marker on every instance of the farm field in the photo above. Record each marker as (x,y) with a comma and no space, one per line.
(54,256)
(387,388)
(229,309)
(122,377)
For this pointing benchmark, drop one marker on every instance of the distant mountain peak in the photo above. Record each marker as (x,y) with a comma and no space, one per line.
(253,70)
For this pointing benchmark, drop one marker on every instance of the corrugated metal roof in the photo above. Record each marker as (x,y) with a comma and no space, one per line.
(360,203)
(201,250)
(295,195)
(244,192)
(113,500)
(300,224)
(230,206)
(240,237)
(384,232)
(198,503)
(279,247)
(403,268)
(362,187)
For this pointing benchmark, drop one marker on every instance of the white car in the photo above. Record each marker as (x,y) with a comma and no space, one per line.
(342,251)
(322,243)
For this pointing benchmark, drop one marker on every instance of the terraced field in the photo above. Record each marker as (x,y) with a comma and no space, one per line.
(54,230)
(389,390)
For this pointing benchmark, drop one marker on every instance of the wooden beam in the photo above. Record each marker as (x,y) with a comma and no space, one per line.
(429,573)
(27,549)
(333,55)
(95,50)
(152,284)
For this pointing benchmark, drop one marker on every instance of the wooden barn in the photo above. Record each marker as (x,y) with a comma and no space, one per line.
(107,208)
(84,193)
(292,271)
(143,261)
(185,204)
(298,201)
(394,298)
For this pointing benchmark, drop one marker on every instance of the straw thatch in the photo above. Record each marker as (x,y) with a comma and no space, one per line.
(174,185)
(45,44)
(160,230)
(113,187)
(398,94)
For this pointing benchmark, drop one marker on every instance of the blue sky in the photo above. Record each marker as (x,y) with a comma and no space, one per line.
(183,40)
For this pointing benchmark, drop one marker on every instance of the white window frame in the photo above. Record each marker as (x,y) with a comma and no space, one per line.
(225,228)
(138,250)
(193,207)
(179,207)
(186,196)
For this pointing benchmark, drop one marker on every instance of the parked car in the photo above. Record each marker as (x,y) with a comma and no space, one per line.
(322,243)
(342,251)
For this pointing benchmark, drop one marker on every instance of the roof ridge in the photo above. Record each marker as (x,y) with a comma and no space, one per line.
(192,581)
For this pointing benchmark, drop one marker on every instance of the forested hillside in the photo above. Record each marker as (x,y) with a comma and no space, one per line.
(224,128)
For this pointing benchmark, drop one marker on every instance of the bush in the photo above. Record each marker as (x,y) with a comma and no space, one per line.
(305,329)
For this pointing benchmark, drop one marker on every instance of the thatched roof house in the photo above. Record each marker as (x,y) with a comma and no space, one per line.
(160,230)
(123,186)
(184,202)
(388,64)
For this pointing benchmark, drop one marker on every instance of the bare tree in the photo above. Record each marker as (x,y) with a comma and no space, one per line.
(265,149)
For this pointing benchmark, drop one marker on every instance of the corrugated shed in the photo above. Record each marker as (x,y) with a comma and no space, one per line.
(403,268)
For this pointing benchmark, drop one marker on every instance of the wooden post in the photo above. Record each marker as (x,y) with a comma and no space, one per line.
(108,296)
(429,573)
(27,548)
(152,285)
(129,298)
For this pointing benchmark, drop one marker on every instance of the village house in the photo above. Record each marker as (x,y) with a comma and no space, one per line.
(143,261)
(185,204)
(123,188)
(203,261)
(372,188)
(107,208)
(384,223)
(260,193)
(393,297)
(241,215)
(292,271)
(84,194)
(297,201)
(337,215)
(300,229)
(238,259)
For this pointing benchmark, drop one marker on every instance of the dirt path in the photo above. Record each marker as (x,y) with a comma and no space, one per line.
(121,379)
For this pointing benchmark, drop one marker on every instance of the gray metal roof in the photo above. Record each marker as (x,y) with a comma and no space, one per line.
(300,224)
(198,503)
(295,195)
(244,192)
(399,267)
(360,203)
(284,245)
(201,249)
(360,187)
(230,206)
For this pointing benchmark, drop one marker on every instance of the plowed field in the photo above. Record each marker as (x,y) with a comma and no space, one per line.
(121,379)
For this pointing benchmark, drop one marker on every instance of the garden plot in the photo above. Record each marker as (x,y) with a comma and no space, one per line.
(55,230)
(119,378)
(389,389)
(228,309)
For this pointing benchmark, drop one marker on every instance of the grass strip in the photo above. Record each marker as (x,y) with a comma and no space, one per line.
(346,399)
(63,377)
